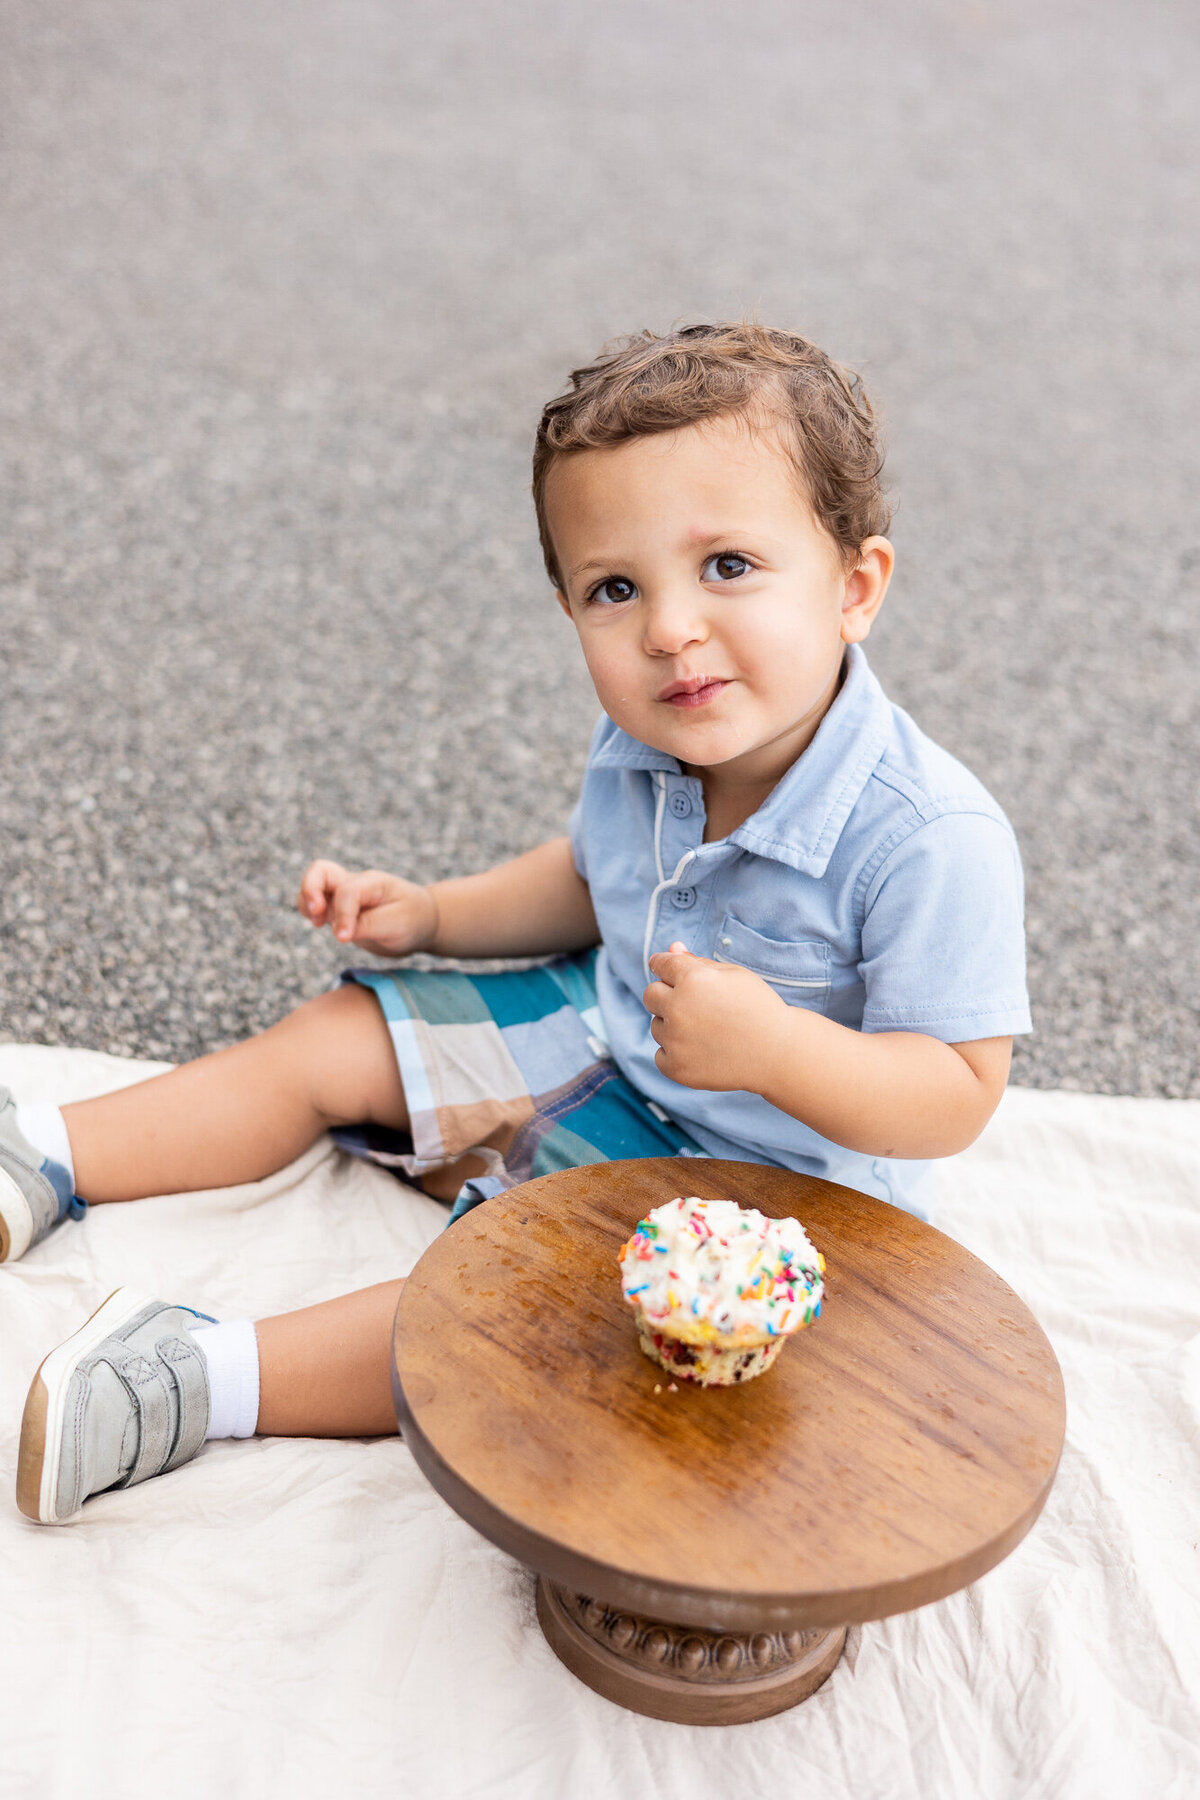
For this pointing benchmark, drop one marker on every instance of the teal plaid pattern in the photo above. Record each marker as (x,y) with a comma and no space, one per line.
(512,1068)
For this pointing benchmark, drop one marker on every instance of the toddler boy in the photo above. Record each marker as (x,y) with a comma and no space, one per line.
(786,926)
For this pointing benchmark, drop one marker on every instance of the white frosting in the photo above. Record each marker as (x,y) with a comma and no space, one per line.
(705,1269)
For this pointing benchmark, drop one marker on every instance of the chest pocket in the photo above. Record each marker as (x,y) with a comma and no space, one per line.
(798,971)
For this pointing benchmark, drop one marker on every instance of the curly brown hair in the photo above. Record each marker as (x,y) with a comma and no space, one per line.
(643,384)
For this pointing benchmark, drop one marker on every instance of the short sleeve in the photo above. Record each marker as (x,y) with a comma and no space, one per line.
(575,832)
(943,936)
(576,823)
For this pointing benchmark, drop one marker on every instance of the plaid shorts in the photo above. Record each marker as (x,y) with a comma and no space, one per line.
(510,1071)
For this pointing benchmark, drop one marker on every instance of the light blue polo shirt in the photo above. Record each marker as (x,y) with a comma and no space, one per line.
(878,884)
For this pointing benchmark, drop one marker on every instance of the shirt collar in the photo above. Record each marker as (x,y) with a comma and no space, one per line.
(801,820)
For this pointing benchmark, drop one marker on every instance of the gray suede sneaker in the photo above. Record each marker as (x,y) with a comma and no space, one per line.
(35,1193)
(125,1398)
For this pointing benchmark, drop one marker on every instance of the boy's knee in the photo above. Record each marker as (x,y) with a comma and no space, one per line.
(339,1010)
(350,1006)
(344,1037)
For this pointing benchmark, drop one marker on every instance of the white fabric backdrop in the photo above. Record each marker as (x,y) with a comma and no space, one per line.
(307,1618)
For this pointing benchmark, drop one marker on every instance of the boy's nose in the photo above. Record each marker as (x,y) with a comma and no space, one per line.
(672,622)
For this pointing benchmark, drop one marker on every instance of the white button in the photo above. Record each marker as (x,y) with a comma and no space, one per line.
(725,943)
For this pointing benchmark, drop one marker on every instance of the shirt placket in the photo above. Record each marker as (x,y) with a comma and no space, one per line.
(675,906)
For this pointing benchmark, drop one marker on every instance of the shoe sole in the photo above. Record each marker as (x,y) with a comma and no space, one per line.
(40,1454)
(16,1220)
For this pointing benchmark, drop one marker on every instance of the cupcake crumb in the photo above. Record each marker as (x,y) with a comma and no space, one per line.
(674,1388)
(658,1387)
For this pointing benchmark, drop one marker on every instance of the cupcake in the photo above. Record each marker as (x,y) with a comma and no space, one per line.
(717,1289)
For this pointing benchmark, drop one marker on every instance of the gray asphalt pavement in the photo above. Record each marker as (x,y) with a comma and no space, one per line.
(284,286)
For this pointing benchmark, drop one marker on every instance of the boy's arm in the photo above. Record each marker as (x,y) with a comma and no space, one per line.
(887,1093)
(536,905)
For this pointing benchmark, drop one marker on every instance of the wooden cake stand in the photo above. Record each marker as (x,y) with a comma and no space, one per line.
(700,1552)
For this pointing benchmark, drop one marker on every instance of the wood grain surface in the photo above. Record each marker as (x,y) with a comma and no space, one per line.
(898,1449)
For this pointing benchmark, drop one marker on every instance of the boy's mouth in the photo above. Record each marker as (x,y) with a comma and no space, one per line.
(697,690)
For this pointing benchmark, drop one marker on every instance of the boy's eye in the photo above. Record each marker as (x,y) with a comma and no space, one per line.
(615,590)
(727,566)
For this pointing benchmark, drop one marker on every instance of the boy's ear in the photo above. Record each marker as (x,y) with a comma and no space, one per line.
(866,585)
(563,601)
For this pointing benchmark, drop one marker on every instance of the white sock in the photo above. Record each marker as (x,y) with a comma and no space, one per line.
(231,1352)
(46,1129)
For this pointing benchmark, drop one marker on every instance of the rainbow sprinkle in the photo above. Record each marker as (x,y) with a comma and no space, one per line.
(728,1271)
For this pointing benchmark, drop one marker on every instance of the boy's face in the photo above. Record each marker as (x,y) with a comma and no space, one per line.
(711,607)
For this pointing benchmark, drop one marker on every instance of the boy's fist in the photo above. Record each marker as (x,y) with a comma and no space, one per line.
(717,1025)
(380,913)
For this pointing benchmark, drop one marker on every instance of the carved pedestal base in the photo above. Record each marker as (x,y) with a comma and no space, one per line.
(678,1672)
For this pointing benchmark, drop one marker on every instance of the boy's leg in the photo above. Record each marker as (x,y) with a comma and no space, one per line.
(241,1113)
(326,1371)
(131,1394)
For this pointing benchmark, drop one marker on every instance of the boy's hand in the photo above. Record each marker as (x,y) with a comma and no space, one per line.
(380,913)
(718,1025)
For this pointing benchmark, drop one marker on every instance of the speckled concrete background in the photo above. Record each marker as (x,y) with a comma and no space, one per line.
(284,287)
